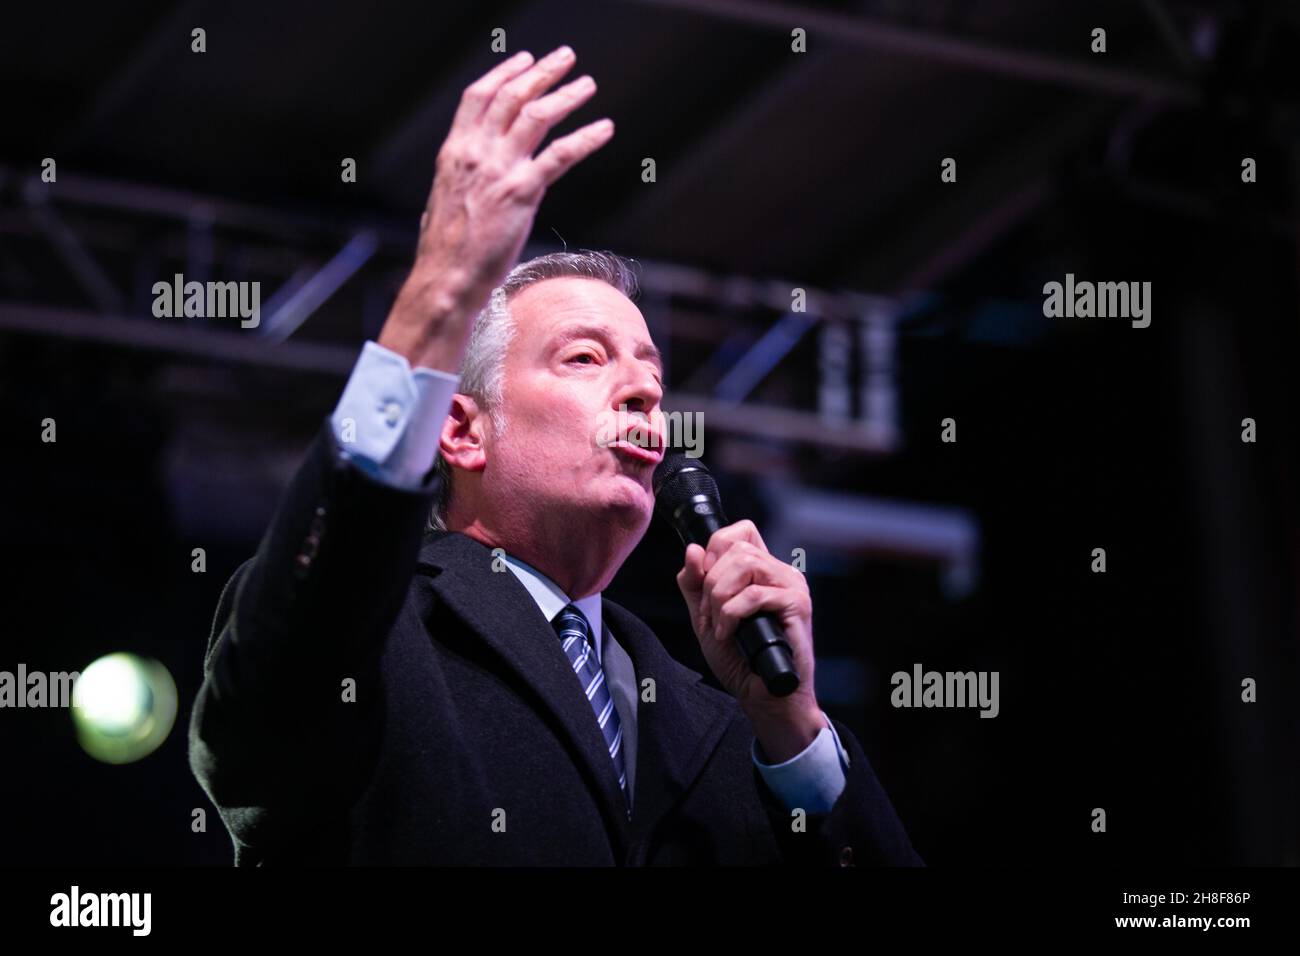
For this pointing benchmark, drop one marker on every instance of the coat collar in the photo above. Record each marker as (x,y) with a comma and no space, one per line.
(676,733)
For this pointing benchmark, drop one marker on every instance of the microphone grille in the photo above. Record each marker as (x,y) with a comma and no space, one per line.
(678,478)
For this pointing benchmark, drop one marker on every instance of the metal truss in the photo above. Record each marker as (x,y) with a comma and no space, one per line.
(96,247)
(110,241)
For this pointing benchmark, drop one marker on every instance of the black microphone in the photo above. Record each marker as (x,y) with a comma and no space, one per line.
(686,496)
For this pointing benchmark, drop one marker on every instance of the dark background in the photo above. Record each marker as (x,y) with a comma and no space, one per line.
(821,170)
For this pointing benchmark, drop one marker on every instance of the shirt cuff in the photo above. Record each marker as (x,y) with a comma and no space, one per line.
(812,779)
(389,418)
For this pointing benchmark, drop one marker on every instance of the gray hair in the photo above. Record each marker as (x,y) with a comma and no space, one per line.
(483,371)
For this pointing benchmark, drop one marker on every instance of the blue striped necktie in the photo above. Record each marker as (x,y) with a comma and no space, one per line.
(575,637)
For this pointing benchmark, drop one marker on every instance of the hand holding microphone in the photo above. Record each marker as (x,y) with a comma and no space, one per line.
(751,612)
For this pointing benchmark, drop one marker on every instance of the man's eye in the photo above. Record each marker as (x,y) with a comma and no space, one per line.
(583,355)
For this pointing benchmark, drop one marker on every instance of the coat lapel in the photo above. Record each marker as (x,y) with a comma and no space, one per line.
(499,611)
(675,734)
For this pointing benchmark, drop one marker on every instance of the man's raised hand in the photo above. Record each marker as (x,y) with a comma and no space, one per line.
(486,190)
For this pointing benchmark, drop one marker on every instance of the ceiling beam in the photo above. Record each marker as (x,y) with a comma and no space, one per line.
(882,37)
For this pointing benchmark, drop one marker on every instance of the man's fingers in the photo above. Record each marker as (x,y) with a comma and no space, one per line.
(749,602)
(474,101)
(537,117)
(512,97)
(744,564)
(567,151)
(691,577)
(722,539)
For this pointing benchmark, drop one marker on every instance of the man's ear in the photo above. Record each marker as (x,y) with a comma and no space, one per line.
(461,443)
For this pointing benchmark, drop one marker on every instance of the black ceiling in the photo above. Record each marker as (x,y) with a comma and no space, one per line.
(822,165)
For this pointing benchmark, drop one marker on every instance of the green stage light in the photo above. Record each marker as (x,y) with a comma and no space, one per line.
(123,707)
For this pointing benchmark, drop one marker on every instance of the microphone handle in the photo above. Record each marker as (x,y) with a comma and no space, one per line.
(762,641)
(761,638)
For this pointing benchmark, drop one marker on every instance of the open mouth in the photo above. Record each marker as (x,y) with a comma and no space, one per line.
(651,456)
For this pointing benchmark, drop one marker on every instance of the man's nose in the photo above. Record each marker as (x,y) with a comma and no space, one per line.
(641,392)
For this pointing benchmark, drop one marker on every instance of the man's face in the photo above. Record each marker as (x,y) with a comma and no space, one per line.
(580,350)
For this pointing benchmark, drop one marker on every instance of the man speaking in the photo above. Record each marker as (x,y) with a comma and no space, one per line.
(377,694)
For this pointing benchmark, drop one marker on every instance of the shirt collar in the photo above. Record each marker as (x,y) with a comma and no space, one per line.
(551,600)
